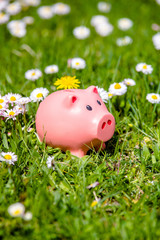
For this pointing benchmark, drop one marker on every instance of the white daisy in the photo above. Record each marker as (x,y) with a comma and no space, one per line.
(158,2)
(104,29)
(23,100)
(11,113)
(38,94)
(139,67)
(124,41)
(27,216)
(144,68)
(13,8)
(32,3)
(118,89)
(110,95)
(104,7)
(78,63)
(20,108)
(60,8)
(103,94)
(51,69)
(12,98)
(18,32)
(16,24)
(3,18)
(3,106)
(22,104)
(153,97)
(50,162)
(16,210)
(2,99)
(8,157)
(81,32)
(17,28)
(156,41)
(98,19)
(125,24)
(3,4)
(28,20)
(33,74)
(45,12)
(129,82)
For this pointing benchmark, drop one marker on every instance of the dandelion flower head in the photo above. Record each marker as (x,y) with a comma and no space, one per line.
(67,82)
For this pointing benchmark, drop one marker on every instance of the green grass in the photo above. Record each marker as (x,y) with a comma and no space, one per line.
(128,171)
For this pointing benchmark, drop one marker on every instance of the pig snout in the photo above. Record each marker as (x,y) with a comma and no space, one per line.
(106,127)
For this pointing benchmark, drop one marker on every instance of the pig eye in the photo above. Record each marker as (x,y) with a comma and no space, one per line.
(89,107)
(98,102)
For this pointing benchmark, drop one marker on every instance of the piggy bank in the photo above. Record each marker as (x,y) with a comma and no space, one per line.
(75,120)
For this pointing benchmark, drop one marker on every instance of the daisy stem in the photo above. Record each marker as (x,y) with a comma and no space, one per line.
(110,106)
(125,104)
(117,103)
(153,114)
(24,118)
(11,176)
(146,83)
(15,126)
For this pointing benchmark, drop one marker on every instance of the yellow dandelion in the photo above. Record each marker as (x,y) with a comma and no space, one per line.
(67,82)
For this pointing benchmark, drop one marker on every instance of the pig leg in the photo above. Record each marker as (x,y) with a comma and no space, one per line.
(79,153)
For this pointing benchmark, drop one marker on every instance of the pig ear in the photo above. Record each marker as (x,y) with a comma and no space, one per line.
(70,100)
(92,89)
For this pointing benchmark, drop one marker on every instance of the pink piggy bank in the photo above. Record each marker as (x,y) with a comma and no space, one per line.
(75,120)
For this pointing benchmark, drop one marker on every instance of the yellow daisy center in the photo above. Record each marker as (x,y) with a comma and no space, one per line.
(13,98)
(47,10)
(1,107)
(12,7)
(2,15)
(144,66)
(82,31)
(17,30)
(128,83)
(39,95)
(17,212)
(33,74)
(11,113)
(61,6)
(1,100)
(154,97)
(8,157)
(110,94)
(67,82)
(77,63)
(117,86)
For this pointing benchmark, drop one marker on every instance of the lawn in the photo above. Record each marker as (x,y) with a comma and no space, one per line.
(123,201)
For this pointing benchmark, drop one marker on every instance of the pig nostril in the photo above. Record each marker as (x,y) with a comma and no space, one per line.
(103,125)
(109,122)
